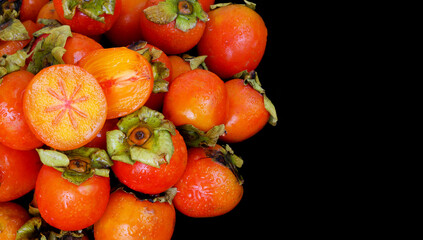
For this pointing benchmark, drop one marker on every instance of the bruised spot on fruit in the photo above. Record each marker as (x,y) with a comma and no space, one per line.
(139,135)
(185,8)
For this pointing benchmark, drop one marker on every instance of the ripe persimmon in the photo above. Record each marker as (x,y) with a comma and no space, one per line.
(48,12)
(179,66)
(68,206)
(100,17)
(197,97)
(125,76)
(173,26)
(249,109)
(100,140)
(78,46)
(234,40)
(64,106)
(130,218)
(126,29)
(30,8)
(14,131)
(18,172)
(151,180)
(12,217)
(208,186)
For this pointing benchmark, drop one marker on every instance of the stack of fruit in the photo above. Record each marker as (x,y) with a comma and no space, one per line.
(118,112)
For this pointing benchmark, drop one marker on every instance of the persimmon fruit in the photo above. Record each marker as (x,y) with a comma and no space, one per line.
(64,106)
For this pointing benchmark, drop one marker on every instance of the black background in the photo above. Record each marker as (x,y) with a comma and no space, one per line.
(261,212)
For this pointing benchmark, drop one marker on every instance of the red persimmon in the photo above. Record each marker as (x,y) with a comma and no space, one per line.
(12,217)
(30,8)
(81,22)
(14,130)
(100,140)
(234,40)
(68,206)
(177,28)
(246,115)
(208,187)
(18,172)
(126,29)
(151,180)
(130,218)
(197,97)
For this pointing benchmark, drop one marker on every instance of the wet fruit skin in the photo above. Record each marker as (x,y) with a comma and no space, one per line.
(168,38)
(150,180)
(126,29)
(129,218)
(197,97)
(234,40)
(125,76)
(12,217)
(207,188)
(67,206)
(85,25)
(18,172)
(246,113)
(14,130)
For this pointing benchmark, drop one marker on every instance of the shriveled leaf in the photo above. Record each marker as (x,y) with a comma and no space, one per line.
(13,30)
(93,9)
(77,177)
(194,137)
(12,63)
(30,229)
(162,13)
(116,143)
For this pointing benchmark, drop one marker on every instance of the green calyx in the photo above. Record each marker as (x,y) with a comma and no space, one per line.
(11,28)
(195,62)
(226,157)
(37,228)
(252,79)
(49,51)
(194,137)
(77,165)
(247,4)
(143,136)
(184,12)
(12,63)
(91,8)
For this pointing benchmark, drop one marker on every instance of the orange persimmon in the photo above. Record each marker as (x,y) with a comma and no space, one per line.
(64,106)
(179,66)
(126,78)
(30,8)
(48,12)
(12,217)
(14,131)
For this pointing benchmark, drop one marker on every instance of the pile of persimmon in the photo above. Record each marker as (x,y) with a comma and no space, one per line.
(115,114)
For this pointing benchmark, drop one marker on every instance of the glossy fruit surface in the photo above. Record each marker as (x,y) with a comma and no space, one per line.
(167,37)
(150,180)
(12,217)
(234,40)
(18,172)
(126,29)
(14,131)
(85,25)
(67,206)
(30,8)
(129,218)
(64,106)
(77,47)
(48,12)
(246,113)
(207,188)
(100,140)
(197,97)
(125,77)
